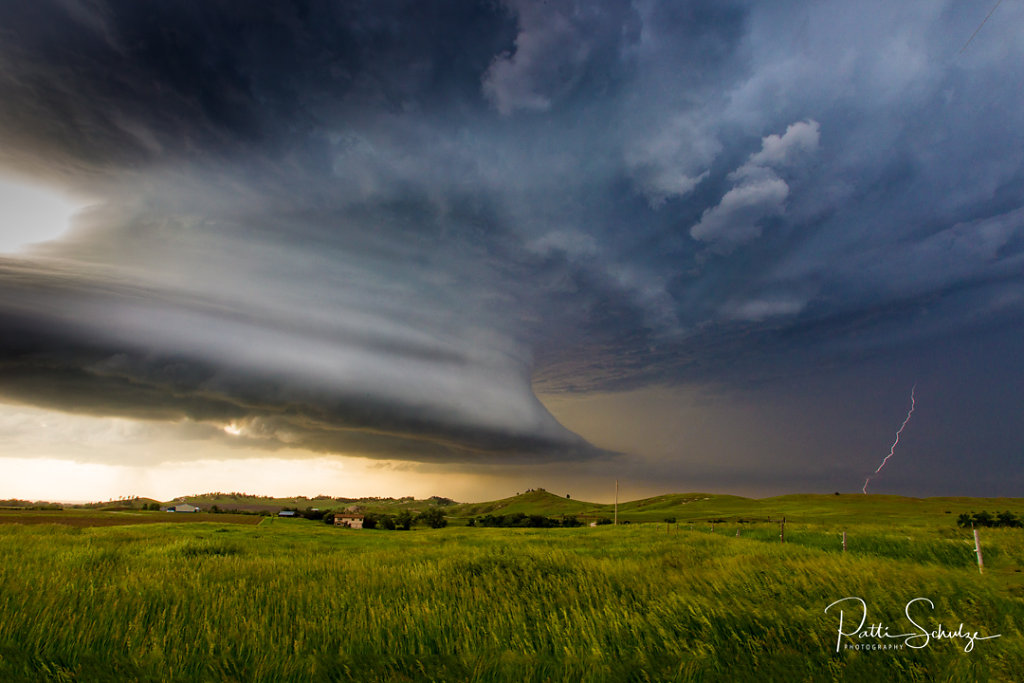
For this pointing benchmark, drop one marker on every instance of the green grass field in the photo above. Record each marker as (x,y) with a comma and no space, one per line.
(295,600)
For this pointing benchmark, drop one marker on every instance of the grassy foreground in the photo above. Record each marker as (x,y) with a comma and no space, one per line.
(291,600)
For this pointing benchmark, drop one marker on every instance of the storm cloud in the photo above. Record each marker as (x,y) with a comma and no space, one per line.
(382,228)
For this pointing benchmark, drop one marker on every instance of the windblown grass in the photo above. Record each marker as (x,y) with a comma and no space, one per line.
(294,600)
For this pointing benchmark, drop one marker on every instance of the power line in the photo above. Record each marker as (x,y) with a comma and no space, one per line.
(979,26)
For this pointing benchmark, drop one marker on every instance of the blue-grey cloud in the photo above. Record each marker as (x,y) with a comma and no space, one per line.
(381,228)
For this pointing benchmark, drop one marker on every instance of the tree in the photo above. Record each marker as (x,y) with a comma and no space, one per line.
(312,513)
(983,518)
(1008,519)
(404,520)
(433,518)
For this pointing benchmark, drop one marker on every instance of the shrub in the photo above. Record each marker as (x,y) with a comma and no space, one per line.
(984,519)
(404,520)
(433,518)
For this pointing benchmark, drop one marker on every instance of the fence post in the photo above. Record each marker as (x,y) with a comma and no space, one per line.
(782,530)
(977,549)
(737,532)
(844,541)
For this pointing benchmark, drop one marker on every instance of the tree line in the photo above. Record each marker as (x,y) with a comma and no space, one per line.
(401,521)
(521,520)
(983,518)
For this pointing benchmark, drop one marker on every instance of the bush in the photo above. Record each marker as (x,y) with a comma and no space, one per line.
(518,519)
(433,518)
(310,513)
(984,519)
(404,520)
(1007,519)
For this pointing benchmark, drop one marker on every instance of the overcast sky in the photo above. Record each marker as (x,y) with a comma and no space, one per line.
(464,249)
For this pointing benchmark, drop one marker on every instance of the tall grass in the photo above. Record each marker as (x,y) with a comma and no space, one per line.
(297,601)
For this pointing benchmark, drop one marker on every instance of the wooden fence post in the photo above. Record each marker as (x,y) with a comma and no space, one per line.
(977,549)
(844,541)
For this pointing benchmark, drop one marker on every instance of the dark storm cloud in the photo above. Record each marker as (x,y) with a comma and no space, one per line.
(366,227)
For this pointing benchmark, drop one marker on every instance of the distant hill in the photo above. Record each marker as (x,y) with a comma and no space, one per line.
(251,503)
(705,507)
(655,509)
(121,504)
(18,504)
(533,502)
(683,507)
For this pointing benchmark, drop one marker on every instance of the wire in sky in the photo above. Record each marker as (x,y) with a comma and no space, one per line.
(979,26)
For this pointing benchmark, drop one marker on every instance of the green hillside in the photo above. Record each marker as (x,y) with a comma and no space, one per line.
(699,507)
(683,507)
(250,503)
(533,502)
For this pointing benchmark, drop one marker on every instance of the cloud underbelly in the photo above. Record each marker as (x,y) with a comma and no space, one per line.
(335,376)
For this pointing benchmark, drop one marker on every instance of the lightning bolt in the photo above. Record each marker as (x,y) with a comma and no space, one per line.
(899,431)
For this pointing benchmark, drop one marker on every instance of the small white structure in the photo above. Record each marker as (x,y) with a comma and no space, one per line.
(286,513)
(182,507)
(352,520)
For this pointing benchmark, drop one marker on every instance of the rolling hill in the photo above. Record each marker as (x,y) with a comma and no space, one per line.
(683,507)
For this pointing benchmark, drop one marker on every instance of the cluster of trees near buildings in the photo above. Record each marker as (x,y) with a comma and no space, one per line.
(403,520)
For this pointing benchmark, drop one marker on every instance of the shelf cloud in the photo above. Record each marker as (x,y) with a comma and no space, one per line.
(384,229)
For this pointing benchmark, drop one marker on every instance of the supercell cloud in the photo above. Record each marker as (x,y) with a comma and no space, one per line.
(380,228)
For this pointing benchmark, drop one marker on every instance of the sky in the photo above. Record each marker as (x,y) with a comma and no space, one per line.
(469,248)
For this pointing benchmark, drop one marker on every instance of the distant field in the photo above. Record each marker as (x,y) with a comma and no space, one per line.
(87,518)
(296,600)
(692,507)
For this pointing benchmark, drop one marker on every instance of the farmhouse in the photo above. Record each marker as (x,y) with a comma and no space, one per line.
(352,520)
(286,513)
(182,507)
